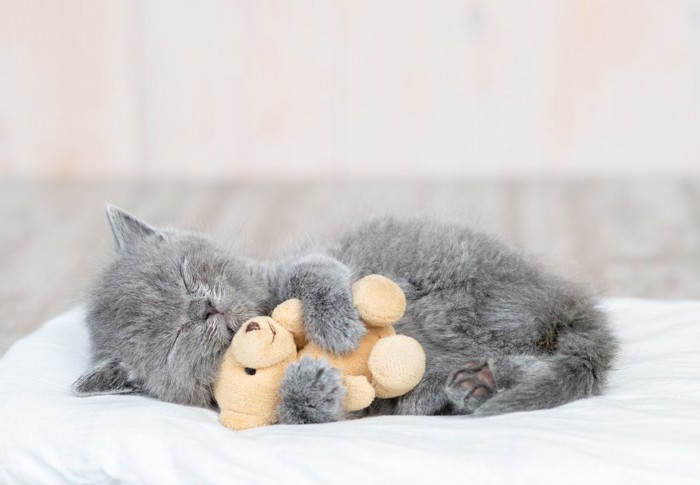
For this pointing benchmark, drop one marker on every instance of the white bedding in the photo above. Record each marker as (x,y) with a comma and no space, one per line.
(646,429)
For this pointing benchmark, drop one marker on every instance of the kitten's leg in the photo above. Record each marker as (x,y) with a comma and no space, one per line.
(322,283)
(575,369)
(311,392)
(427,398)
(520,383)
(497,385)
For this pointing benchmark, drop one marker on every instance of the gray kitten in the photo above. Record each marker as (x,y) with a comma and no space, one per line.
(500,333)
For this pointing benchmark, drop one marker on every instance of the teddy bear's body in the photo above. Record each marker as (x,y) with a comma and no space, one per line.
(247,386)
(251,401)
(384,365)
(354,363)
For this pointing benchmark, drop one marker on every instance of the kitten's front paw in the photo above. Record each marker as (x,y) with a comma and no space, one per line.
(312,392)
(333,323)
(471,385)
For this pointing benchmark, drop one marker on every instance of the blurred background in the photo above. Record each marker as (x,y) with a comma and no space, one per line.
(212,90)
(569,128)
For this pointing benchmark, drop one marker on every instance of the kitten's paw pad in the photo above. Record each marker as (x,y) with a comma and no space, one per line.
(471,385)
(474,374)
(312,392)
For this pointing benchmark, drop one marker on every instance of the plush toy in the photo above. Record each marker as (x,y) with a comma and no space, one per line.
(247,386)
(384,364)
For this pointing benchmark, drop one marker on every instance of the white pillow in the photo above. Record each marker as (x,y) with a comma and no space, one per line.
(646,429)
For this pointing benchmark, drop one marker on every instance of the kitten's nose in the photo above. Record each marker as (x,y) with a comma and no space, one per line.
(209,309)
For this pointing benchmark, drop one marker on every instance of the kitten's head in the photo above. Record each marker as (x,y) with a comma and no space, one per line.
(163,312)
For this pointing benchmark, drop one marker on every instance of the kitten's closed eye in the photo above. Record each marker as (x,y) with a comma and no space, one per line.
(198,276)
(187,279)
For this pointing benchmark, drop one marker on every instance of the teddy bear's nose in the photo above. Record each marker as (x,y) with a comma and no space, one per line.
(252,326)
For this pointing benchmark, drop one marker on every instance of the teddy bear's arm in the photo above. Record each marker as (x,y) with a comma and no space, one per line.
(322,284)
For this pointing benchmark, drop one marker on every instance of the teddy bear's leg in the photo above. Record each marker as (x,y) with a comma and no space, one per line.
(240,421)
(397,365)
(359,393)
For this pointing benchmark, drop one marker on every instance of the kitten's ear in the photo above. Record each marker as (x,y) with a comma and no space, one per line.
(108,377)
(127,229)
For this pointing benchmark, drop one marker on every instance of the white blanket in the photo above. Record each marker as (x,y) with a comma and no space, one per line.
(646,429)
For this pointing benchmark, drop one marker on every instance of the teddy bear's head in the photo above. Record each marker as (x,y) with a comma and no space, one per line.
(261,342)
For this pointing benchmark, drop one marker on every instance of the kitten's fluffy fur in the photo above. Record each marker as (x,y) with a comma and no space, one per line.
(500,334)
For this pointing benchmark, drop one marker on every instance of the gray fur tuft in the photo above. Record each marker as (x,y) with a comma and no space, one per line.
(312,392)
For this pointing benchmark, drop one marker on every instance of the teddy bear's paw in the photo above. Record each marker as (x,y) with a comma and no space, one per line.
(359,393)
(311,392)
(397,364)
(379,301)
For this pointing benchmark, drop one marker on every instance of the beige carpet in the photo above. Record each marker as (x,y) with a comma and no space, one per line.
(626,238)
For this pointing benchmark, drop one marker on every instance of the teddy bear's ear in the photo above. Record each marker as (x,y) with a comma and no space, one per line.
(290,315)
(379,301)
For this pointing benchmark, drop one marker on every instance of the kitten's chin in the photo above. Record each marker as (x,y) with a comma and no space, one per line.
(228,320)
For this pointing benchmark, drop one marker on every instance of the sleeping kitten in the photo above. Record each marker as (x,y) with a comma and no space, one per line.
(500,334)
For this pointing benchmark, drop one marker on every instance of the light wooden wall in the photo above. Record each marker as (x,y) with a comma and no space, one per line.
(224,89)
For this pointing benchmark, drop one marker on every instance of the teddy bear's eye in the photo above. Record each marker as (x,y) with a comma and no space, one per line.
(249,371)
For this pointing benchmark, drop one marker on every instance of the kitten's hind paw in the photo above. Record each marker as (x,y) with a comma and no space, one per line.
(468,387)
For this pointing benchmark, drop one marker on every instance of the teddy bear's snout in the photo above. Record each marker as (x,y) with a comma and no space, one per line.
(252,326)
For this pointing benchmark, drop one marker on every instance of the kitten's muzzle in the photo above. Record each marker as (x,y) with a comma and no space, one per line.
(209,309)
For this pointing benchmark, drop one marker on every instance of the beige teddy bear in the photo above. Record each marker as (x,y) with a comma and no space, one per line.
(384,364)
(247,386)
